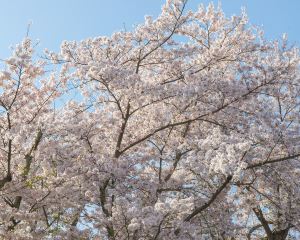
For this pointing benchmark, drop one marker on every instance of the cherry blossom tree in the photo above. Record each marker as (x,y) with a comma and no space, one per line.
(26,111)
(186,127)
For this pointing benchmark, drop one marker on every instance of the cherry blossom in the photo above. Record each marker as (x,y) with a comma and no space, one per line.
(186,127)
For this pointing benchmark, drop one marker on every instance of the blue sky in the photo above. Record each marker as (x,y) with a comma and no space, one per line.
(58,20)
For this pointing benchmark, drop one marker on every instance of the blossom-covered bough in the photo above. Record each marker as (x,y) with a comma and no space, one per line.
(187,127)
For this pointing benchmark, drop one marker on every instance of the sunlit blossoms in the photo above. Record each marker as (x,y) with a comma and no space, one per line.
(186,127)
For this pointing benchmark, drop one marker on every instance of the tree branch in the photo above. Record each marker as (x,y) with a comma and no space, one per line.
(210,201)
(206,205)
(263,221)
(255,165)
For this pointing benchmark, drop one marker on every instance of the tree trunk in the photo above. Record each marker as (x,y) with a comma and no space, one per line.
(280,235)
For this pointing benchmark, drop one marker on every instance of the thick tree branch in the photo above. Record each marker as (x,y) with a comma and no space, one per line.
(206,205)
(210,201)
(8,177)
(275,160)
(29,155)
(122,131)
(263,221)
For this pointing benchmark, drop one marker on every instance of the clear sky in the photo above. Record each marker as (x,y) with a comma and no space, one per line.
(58,20)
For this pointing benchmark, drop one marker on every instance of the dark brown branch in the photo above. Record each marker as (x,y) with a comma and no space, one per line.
(160,129)
(34,206)
(122,131)
(166,39)
(103,198)
(46,216)
(199,118)
(29,157)
(176,161)
(8,177)
(109,228)
(253,229)
(255,165)
(263,221)
(210,201)
(206,205)
(159,228)
(17,90)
